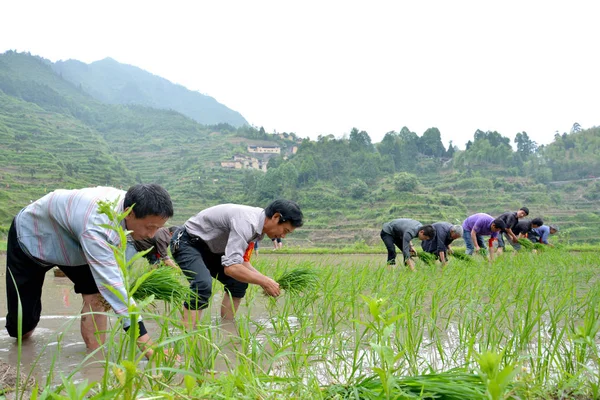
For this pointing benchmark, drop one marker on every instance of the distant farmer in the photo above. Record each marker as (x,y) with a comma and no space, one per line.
(541,234)
(212,244)
(400,232)
(160,245)
(523,229)
(277,243)
(525,226)
(445,234)
(63,229)
(511,219)
(476,227)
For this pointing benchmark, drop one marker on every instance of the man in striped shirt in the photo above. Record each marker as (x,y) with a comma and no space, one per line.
(63,229)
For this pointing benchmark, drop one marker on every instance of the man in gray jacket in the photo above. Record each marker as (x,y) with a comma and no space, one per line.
(400,232)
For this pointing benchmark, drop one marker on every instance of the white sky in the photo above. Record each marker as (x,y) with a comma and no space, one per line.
(321,67)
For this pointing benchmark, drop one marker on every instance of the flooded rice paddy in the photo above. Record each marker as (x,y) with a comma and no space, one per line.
(540,312)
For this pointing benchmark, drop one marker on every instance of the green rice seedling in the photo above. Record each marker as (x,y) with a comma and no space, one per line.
(540,247)
(526,243)
(298,280)
(427,258)
(451,385)
(163,282)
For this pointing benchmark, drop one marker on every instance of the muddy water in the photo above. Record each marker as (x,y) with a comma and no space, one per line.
(57,339)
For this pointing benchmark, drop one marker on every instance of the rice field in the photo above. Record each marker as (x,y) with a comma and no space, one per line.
(525,326)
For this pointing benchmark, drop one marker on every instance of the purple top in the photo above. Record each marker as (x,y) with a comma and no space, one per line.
(480,223)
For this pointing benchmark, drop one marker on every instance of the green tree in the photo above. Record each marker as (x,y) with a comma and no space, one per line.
(525,146)
(360,141)
(430,144)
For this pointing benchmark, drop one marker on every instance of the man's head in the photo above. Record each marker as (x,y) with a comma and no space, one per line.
(498,225)
(456,232)
(426,232)
(152,207)
(523,212)
(536,222)
(281,218)
(553,229)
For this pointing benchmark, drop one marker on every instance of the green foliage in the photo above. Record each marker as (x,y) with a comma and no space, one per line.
(43,116)
(405,182)
(474,183)
(359,189)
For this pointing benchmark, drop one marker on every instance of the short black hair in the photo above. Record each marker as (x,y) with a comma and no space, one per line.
(428,231)
(499,224)
(525,209)
(172,229)
(537,221)
(289,211)
(149,199)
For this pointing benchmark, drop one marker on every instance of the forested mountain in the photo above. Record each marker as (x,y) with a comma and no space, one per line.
(53,134)
(112,82)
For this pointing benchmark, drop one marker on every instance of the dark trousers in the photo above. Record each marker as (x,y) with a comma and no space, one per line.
(390,245)
(28,275)
(200,265)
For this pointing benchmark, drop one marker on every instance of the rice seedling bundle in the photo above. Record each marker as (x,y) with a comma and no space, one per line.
(446,385)
(427,258)
(298,280)
(164,283)
(526,243)
(461,255)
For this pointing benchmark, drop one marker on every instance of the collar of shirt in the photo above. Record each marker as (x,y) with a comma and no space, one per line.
(261,225)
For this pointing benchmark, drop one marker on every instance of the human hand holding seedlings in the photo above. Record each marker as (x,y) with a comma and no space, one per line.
(271,287)
(411,264)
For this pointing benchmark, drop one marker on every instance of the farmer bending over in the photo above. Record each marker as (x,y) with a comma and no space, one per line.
(212,244)
(445,234)
(63,229)
(400,232)
(159,244)
(476,227)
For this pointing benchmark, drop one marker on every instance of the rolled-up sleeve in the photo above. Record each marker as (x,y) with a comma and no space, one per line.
(105,269)
(237,243)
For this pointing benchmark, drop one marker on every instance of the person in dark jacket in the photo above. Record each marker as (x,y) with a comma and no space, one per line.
(160,245)
(400,232)
(510,220)
(445,234)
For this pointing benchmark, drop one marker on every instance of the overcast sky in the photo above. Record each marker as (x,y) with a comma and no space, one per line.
(324,67)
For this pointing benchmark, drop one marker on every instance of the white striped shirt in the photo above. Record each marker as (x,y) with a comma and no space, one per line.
(62,228)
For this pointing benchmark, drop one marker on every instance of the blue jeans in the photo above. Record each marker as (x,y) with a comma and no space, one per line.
(469,242)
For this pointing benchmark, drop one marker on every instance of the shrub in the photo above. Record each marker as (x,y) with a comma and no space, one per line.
(405,182)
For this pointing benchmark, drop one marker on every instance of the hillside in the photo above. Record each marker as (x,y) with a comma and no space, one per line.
(112,82)
(55,135)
